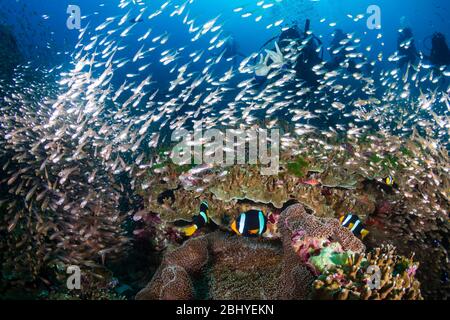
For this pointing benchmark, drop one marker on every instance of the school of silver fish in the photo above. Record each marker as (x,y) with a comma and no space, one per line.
(68,135)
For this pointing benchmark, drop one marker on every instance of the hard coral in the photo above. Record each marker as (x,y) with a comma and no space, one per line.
(359,280)
(412,214)
(233,267)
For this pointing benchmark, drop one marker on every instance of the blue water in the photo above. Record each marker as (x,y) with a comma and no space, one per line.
(47,39)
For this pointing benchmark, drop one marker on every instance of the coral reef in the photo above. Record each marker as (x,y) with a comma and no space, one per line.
(46,174)
(92,288)
(228,263)
(150,228)
(344,176)
(76,145)
(245,183)
(357,279)
(232,267)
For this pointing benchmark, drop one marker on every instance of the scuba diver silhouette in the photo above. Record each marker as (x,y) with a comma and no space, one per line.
(308,57)
(406,48)
(232,50)
(335,50)
(440,53)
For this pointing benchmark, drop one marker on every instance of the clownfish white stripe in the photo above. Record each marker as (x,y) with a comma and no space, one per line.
(356,224)
(242,224)
(347,219)
(261,222)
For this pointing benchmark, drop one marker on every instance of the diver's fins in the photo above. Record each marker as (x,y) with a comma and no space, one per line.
(307,25)
(189,231)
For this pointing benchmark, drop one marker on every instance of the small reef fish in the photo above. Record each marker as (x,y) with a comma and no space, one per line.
(354,224)
(311,182)
(252,223)
(198,221)
(390,181)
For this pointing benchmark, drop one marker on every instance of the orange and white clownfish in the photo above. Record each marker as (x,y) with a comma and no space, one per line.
(354,224)
(199,220)
(252,223)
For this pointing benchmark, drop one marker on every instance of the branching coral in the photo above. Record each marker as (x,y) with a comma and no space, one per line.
(378,275)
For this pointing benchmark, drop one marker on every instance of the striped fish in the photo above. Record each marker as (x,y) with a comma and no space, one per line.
(199,220)
(252,223)
(354,224)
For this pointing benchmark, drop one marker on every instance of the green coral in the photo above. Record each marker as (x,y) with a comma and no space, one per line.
(329,257)
(299,167)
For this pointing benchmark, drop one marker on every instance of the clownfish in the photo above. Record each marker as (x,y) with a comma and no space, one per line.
(198,220)
(390,181)
(354,224)
(252,223)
